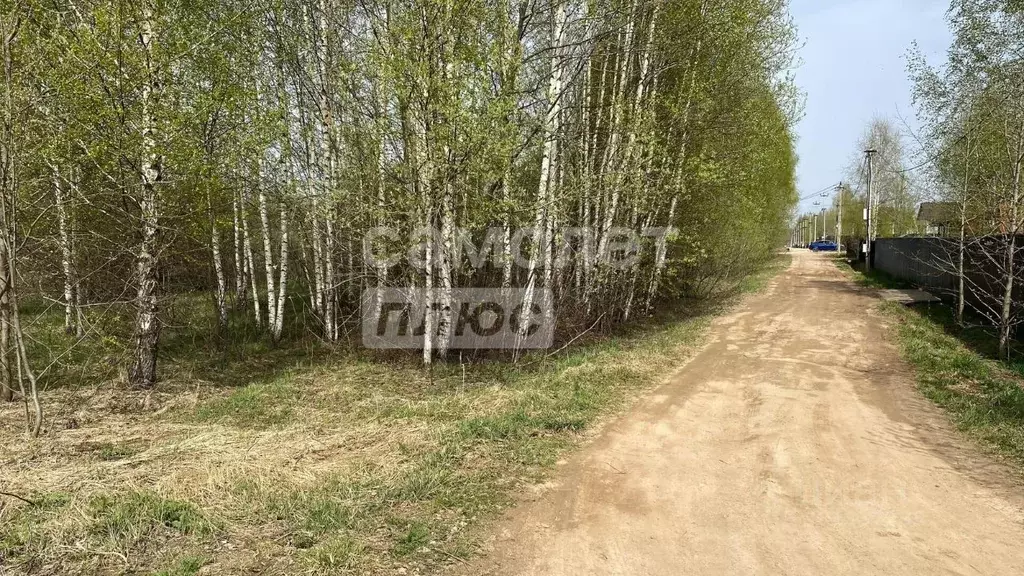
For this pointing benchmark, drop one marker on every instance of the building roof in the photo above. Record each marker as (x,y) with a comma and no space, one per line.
(937,212)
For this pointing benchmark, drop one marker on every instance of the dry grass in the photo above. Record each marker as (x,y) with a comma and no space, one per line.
(343,465)
(260,493)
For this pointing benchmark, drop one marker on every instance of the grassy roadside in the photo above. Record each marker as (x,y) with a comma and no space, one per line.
(958,369)
(344,465)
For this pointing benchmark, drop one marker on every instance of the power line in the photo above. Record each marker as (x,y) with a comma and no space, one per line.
(818,193)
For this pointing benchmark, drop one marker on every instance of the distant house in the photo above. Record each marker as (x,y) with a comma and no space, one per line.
(938,218)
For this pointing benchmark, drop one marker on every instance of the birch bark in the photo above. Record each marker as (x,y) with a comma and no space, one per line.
(241,285)
(268,258)
(142,373)
(6,376)
(221,297)
(541,228)
(615,126)
(282,286)
(250,268)
(1006,314)
(71,310)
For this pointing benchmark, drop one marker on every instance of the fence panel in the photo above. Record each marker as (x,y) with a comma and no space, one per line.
(931,263)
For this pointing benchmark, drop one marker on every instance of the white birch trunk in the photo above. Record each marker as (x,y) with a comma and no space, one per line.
(250,263)
(34,422)
(592,195)
(425,177)
(329,152)
(1006,320)
(428,285)
(282,285)
(961,296)
(445,269)
(615,126)
(506,234)
(318,267)
(268,258)
(71,311)
(240,279)
(382,267)
(222,285)
(548,158)
(447,220)
(6,375)
(634,272)
(142,373)
(8,198)
(661,251)
(221,296)
(330,287)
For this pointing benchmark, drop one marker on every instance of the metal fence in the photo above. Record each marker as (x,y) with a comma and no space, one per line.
(931,263)
(926,262)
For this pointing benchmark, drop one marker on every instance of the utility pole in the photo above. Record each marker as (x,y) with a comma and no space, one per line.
(839,217)
(868,212)
(814,217)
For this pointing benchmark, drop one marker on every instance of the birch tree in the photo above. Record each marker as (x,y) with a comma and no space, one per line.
(10,160)
(242,151)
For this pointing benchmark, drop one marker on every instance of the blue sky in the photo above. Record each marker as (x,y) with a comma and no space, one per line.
(854,68)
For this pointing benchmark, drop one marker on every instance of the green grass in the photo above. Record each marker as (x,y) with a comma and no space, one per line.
(984,396)
(186,566)
(261,405)
(108,525)
(491,429)
(415,536)
(189,348)
(336,555)
(126,518)
(958,369)
(415,463)
(27,533)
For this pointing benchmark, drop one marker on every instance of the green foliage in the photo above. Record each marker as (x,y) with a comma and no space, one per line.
(322,120)
(972,108)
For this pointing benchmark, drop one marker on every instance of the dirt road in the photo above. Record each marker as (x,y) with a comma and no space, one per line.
(772,452)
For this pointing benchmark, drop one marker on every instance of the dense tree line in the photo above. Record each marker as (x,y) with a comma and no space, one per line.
(972,107)
(246,149)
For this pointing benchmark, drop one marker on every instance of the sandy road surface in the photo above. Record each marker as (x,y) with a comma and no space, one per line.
(771,453)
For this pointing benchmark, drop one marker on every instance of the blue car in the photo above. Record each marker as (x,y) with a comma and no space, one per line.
(823,246)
